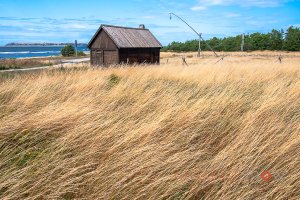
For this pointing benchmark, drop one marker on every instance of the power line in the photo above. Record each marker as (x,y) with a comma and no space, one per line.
(199,35)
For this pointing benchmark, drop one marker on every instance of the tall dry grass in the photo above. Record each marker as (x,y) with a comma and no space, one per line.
(158,132)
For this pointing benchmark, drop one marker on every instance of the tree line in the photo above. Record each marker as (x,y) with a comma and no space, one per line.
(274,40)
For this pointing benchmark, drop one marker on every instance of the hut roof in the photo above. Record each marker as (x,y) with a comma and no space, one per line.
(125,37)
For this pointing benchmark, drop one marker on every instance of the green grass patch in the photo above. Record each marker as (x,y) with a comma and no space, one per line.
(113,80)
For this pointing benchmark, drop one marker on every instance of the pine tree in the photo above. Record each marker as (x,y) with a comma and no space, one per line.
(292,40)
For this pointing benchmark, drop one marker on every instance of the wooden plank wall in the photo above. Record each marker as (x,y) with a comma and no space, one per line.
(139,55)
(104,51)
(103,41)
(111,57)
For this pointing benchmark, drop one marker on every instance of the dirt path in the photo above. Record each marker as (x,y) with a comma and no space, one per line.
(79,60)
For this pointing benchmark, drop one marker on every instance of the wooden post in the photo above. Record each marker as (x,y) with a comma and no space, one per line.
(199,48)
(280,59)
(184,62)
(76,48)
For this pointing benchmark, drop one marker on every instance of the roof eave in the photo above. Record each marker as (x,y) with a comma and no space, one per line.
(94,37)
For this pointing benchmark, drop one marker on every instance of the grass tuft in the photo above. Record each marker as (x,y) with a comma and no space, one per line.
(113,80)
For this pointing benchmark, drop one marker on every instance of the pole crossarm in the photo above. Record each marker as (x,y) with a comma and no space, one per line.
(186,23)
(199,34)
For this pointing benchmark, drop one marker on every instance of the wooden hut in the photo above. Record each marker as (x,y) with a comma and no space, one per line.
(116,45)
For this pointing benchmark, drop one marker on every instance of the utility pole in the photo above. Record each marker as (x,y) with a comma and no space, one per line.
(199,50)
(76,48)
(199,35)
(243,42)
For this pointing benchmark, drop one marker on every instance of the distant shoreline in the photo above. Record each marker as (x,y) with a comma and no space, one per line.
(14,44)
(39,46)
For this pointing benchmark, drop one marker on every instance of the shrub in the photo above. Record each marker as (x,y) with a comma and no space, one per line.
(81,53)
(114,80)
(68,51)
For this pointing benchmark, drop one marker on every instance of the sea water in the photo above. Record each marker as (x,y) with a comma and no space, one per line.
(28,52)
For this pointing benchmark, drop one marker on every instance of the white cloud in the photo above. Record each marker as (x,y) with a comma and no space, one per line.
(76,26)
(246,3)
(46,29)
(197,8)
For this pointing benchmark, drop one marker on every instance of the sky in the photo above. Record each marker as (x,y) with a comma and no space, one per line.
(67,20)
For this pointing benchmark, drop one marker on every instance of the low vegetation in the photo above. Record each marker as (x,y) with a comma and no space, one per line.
(81,53)
(69,51)
(206,131)
(21,63)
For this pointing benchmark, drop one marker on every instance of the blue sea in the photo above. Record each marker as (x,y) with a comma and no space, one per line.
(28,52)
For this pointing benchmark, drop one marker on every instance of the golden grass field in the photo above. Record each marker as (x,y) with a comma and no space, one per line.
(202,131)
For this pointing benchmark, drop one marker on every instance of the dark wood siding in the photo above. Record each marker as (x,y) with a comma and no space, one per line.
(111,57)
(97,57)
(139,55)
(103,41)
(104,51)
